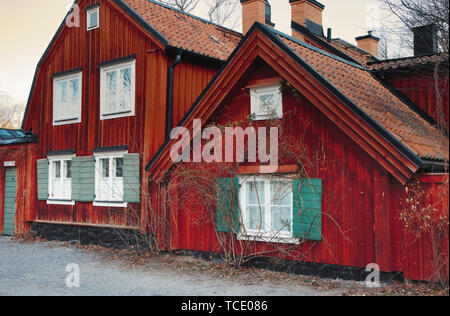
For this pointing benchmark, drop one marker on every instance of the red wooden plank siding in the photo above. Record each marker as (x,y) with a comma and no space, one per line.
(118,36)
(361,201)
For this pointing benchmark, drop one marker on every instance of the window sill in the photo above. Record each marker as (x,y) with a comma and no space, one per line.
(60,202)
(114,115)
(67,122)
(278,239)
(110,204)
(267,117)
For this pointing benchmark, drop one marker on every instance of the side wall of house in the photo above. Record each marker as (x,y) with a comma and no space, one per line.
(22,156)
(117,37)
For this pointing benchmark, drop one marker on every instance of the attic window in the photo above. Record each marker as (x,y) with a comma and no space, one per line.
(93,18)
(266,102)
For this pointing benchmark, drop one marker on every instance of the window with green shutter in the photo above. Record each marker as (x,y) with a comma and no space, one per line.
(228,213)
(307,209)
(271,208)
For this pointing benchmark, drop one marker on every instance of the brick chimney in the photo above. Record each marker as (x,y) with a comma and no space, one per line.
(369,43)
(425,40)
(308,14)
(255,11)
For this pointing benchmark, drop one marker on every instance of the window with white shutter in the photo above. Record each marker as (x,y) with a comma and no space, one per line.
(109,179)
(60,180)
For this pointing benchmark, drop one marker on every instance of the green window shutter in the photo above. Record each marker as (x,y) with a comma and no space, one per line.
(307,223)
(131,178)
(228,212)
(42,179)
(83,179)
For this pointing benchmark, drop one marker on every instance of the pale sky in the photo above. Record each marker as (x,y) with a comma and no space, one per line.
(27,27)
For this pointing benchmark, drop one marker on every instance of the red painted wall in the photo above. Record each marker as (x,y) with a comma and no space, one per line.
(117,37)
(360,200)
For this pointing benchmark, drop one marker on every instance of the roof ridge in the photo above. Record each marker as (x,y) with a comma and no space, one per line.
(194,17)
(316,49)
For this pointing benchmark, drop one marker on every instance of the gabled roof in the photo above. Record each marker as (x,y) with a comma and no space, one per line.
(10,136)
(186,31)
(372,97)
(391,132)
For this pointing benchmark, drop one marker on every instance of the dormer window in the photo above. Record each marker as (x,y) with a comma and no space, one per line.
(266,102)
(93,18)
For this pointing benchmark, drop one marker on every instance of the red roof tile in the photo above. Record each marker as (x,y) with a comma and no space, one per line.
(186,31)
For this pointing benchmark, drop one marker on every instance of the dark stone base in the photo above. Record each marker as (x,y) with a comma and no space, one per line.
(85,235)
(303,268)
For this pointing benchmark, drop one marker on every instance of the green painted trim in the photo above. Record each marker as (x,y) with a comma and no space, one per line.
(307,209)
(228,203)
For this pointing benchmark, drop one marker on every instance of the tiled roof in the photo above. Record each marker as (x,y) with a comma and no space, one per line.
(369,94)
(354,52)
(391,64)
(186,31)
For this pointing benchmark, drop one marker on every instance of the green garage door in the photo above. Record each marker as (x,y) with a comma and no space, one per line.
(10,201)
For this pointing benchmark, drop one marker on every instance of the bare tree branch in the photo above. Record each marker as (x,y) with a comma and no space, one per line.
(183,5)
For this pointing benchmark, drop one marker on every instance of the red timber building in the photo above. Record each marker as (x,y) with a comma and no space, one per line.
(106,95)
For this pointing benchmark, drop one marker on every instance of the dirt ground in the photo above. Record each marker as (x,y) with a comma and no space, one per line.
(126,272)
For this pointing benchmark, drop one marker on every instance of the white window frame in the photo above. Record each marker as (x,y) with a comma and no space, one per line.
(255,102)
(109,202)
(88,18)
(61,200)
(72,118)
(264,235)
(104,113)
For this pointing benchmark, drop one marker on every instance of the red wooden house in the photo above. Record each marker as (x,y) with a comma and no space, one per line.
(107,94)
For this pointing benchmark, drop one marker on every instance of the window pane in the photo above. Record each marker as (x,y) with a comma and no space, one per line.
(255,218)
(104,167)
(267,103)
(118,163)
(56,169)
(68,168)
(255,193)
(62,91)
(74,85)
(93,19)
(111,90)
(280,193)
(125,100)
(281,219)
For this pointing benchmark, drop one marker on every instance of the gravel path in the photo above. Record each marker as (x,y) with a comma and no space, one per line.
(40,269)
